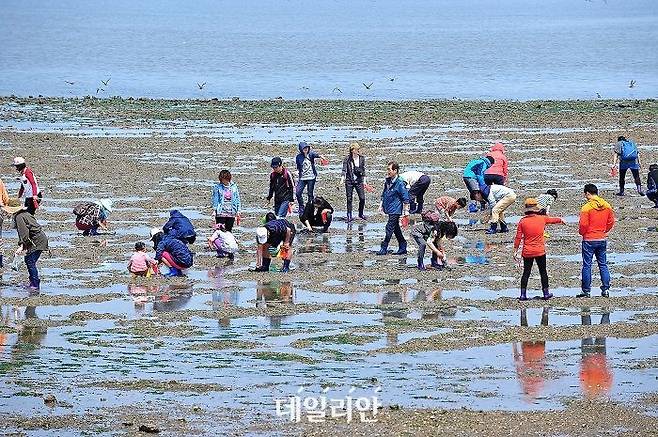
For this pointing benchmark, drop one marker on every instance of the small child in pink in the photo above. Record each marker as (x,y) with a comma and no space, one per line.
(140,261)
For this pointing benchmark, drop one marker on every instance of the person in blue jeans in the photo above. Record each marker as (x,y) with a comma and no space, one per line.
(395,203)
(305,161)
(596,220)
(282,187)
(31,239)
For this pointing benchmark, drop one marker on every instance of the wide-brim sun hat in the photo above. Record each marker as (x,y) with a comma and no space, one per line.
(12,209)
(261,234)
(531,204)
(106,204)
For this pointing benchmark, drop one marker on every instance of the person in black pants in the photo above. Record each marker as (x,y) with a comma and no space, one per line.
(395,203)
(317,214)
(417,184)
(354,178)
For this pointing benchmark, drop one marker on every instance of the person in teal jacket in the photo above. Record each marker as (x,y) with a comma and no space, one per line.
(474,177)
(395,203)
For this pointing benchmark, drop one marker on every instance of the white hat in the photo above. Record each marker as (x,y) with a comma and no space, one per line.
(155,231)
(105,203)
(12,209)
(261,234)
(19,160)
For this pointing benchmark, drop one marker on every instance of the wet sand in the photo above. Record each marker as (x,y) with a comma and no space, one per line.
(218,330)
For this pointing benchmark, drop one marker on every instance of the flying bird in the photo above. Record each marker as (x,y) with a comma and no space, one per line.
(368,86)
(201,85)
(598,96)
(99,89)
(336,89)
(631,84)
(392,78)
(105,82)
(69,82)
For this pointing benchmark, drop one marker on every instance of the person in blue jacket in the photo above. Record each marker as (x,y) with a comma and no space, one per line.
(305,161)
(172,252)
(395,203)
(180,227)
(474,177)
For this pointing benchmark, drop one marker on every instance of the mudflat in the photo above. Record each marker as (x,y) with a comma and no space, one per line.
(448,351)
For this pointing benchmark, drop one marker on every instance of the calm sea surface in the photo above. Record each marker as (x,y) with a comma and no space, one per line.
(311,49)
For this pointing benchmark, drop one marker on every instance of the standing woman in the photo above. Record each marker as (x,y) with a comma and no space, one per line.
(354,178)
(29,185)
(226,200)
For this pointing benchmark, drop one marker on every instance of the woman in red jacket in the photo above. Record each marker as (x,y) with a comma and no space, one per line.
(531,230)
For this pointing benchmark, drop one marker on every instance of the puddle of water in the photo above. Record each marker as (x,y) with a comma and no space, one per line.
(619,258)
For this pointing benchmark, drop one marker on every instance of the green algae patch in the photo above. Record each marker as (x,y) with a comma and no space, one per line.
(279,356)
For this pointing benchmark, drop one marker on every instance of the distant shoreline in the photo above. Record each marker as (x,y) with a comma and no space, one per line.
(335,112)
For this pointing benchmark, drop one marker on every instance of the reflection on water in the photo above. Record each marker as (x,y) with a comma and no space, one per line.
(530,360)
(595,374)
(170,297)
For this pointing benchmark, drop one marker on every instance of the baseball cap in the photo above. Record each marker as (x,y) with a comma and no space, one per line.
(276,162)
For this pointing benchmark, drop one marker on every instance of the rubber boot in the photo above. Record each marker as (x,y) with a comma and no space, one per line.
(173,272)
(605,292)
(546,295)
(402,250)
(286,266)
(523,295)
(1,263)
(383,250)
(421,266)
(349,218)
(639,190)
(265,267)
(503,227)
(493,228)
(435,262)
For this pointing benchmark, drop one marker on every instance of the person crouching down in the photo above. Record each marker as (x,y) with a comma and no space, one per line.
(431,234)
(172,252)
(531,230)
(140,261)
(89,216)
(223,242)
(317,214)
(275,233)
(652,184)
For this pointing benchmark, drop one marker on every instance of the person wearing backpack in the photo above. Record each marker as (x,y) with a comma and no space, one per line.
(627,155)
(652,184)
(429,233)
(89,216)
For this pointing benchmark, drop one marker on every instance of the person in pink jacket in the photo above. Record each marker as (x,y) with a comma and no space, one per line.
(497,173)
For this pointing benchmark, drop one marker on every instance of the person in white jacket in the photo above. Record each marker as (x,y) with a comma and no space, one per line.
(501,197)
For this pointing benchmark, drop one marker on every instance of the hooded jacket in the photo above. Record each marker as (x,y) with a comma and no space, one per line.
(30,234)
(499,166)
(475,169)
(596,219)
(177,249)
(299,159)
(179,226)
(218,198)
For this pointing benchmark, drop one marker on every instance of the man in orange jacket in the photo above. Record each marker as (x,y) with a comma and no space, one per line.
(596,220)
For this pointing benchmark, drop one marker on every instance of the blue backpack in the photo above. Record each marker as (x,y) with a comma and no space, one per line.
(628,151)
